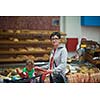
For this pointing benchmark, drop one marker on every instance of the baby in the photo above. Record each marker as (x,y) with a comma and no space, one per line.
(28,71)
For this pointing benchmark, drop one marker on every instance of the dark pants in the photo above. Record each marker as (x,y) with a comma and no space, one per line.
(58,78)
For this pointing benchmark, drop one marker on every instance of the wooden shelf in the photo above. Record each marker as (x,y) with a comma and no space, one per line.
(12,44)
(24,42)
(11,60)
(18,60)
(23,52)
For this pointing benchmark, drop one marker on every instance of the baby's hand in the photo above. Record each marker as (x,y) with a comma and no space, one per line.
(25,75)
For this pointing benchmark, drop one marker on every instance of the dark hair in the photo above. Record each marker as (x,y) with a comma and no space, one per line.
(55,33)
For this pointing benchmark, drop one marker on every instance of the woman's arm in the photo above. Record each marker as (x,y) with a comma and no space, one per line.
(46,66)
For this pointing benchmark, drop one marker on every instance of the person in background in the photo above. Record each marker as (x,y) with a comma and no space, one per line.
(81,49)
(81,46)
(58,59)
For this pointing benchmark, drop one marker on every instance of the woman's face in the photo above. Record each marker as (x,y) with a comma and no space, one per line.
(55,40)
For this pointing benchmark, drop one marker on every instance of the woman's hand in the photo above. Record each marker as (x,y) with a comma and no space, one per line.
(49,71)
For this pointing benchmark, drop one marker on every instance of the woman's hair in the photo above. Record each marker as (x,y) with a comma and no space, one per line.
(55,33)
(29,61)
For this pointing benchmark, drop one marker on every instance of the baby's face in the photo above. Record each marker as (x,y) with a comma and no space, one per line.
(29,66)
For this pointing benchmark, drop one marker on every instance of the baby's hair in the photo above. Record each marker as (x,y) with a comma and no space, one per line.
(29,61)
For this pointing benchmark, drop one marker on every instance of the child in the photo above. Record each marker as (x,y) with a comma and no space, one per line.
(28,71)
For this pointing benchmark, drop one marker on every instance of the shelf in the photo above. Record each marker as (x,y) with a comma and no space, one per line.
(23,52)
(24,42)
(17,43)
(12,60)
(18,60)
(20,64)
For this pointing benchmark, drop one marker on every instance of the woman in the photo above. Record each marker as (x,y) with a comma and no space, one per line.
(58,59)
